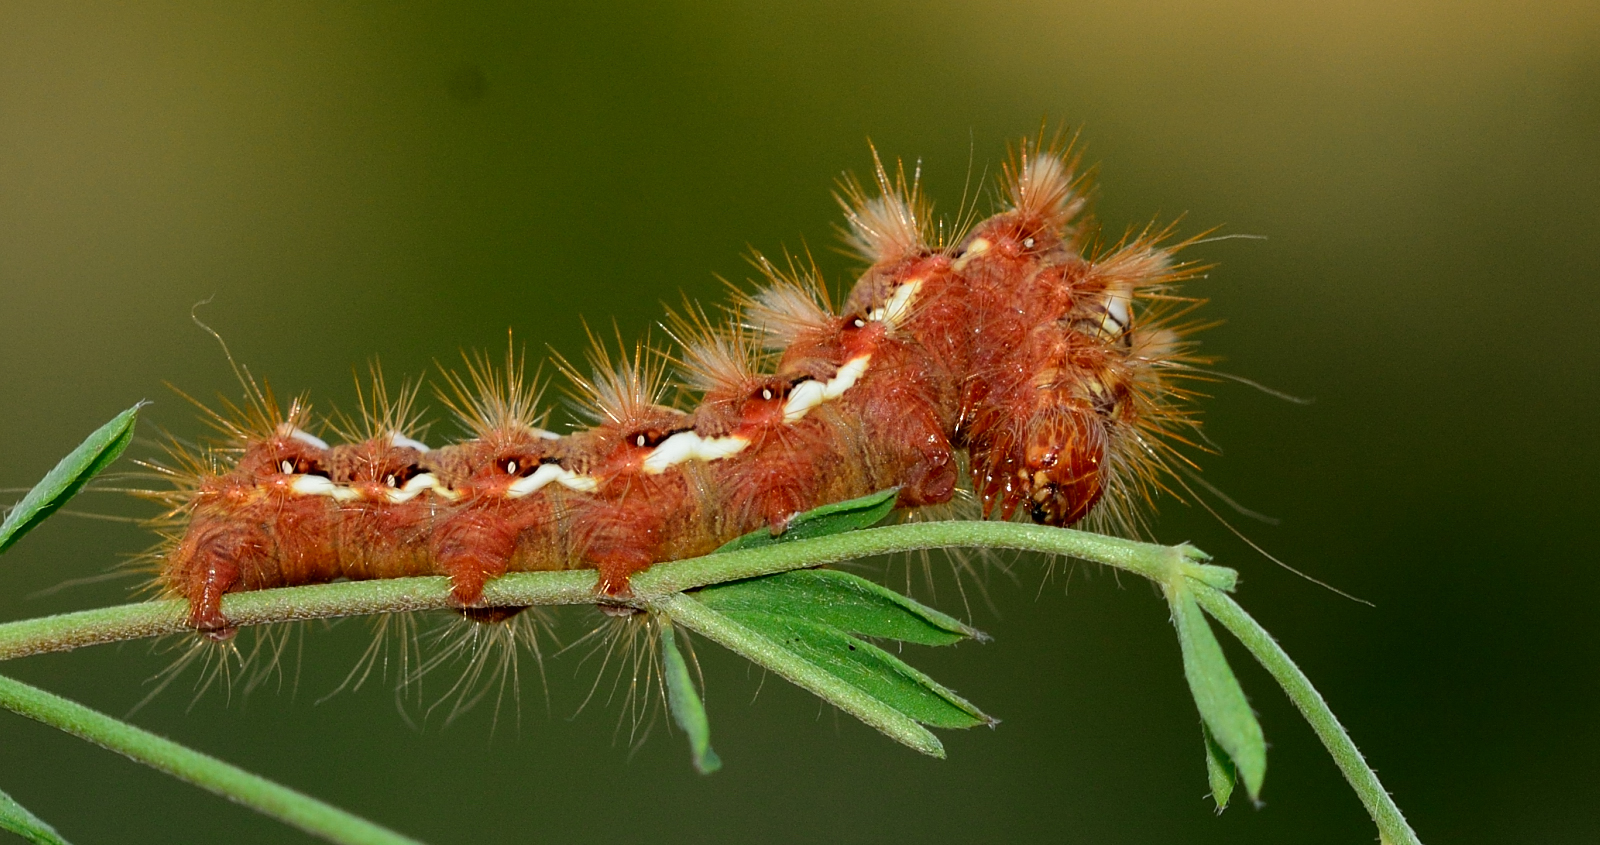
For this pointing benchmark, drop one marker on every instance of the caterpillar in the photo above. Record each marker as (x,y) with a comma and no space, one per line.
(1020,361)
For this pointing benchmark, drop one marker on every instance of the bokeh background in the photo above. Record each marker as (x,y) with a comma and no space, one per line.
(348,181)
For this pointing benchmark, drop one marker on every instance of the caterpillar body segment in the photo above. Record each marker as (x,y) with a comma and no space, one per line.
(1048,371)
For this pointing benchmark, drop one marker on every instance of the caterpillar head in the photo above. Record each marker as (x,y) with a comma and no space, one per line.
(1062,463)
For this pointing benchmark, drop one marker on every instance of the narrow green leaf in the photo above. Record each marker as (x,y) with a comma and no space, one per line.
(836,518)
(840,600)
(866,667)
(1216,691)
(16,818)
(1219,770)
(763,651)
(63,482)
(684,702)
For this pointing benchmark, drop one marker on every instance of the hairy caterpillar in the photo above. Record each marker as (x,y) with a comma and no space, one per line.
(1045,365)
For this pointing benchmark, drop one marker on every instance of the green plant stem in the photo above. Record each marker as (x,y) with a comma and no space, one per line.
(1392,826)
(718,628)
(281,802)
(400,595)
(658,586)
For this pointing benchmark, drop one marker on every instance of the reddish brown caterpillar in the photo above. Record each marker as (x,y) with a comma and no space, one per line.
(1050,365)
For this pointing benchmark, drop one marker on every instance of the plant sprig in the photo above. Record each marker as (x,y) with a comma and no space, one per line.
(775,609)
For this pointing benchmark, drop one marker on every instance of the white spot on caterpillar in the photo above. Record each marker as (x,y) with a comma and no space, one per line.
(809,394)
(401,441)
(978,247)
(307,437)
(545,435)
(899,304)
(547,473)
(688,446)
(316,485)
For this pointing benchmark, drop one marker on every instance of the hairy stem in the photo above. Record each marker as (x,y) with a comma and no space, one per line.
(658,589)
(1392,826)
(258,793)
(400,595)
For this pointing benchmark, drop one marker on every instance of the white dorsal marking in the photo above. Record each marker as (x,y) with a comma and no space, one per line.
(307,437)
(400,440)
(545,435)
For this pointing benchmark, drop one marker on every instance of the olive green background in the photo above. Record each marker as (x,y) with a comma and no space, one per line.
(348,181)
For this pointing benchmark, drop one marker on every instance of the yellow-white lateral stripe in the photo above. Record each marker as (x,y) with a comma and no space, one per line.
(547,473)
(417,485)
(978,247)
(688,446)
(316,485)
(899,304)
(809,394)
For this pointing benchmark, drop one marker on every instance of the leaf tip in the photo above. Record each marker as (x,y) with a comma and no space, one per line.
(708,763)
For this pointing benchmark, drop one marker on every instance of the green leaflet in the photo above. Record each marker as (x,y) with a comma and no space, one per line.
(763,651)
(836,518)
(864,666)
(64,481)
(16,818)
(814,614)
(840,600)
(1222,704)
(688,711)
(1219,770)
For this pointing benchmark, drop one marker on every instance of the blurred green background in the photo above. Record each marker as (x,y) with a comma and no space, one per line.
(350,181)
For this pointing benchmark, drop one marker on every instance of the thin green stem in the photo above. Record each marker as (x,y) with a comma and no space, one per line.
(1392,825)
(302,811)
(400,595)
(659,588)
